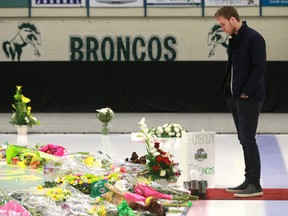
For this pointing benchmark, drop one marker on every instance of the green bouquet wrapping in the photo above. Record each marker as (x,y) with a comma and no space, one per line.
(26,157)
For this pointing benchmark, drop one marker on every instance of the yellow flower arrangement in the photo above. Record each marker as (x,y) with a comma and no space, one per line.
(84,182)
(58,194)
(22,112)
(98,210)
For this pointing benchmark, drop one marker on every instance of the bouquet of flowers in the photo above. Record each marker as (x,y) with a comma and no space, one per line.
(83,182)
(168,130)
(52,149)
(59,194)
(105,115)
(25,157)
(160,164)
(22,112)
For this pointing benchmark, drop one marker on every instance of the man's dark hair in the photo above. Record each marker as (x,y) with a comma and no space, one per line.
(227,12)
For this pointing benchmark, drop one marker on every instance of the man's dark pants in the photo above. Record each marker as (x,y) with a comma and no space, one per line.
(245,113)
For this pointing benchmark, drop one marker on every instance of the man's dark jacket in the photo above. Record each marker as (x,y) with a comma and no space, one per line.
(247,54)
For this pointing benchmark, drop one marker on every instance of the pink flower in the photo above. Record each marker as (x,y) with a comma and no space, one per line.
(123,169)
(12,207)
(147,191)
(133,197)
(53,149)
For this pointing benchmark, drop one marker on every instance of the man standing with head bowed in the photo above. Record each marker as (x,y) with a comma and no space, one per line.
(244,85)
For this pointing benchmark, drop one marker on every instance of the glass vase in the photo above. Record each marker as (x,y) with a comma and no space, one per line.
(105,128)
(162,182)
(165,183)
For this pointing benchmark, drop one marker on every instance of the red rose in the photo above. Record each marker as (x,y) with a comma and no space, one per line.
(157,145)
(166,161)
(159,158)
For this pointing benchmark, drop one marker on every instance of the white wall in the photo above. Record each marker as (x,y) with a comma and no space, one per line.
(185,24)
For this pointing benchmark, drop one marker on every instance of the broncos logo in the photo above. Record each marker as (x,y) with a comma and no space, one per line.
(27,34)
(216,36)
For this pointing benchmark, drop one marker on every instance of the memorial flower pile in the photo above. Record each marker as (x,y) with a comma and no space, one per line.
(160,164)
(22,112)
(77,187)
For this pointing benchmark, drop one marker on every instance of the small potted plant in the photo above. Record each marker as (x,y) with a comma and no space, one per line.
(105,115)
(22,116)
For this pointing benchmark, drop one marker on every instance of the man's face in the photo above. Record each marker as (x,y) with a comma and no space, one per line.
(227,25)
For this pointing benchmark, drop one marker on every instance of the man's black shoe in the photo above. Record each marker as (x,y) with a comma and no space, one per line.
(240,187)
(252,190)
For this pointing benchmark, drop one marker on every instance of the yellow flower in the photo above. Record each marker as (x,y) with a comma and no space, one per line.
(55,197)
(98,199)
(147,201)
(114,176)
(58,194)
(93,211)
(21,164)
(144,180)
(89,161)
(39,187)
(102,211)
(107,197)
(25,99)
(18,87)
(29,108)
